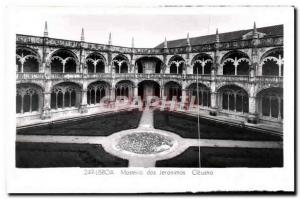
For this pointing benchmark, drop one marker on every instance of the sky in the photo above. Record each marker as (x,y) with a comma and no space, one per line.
(148,26)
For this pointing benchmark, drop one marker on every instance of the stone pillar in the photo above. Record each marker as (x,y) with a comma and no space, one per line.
(83,103)
(162,93)
(183,98)
(113,93)
(213,93)
(47,101)
(135,92)
(252,116)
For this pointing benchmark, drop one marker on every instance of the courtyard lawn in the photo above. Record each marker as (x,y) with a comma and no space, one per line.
(225,157)
(186,127)
(39,155)
(102,125)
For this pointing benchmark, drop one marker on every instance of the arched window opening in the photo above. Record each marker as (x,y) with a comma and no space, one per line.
(90,66)
(270,67)
(176,64)
(235,63)
(95,63)
(27,60)
(207,68)
(28,98)
(124,88)
(203,63)
(203,98)
(173,69)
(56,66)
(31,64)
(243,68)
(270,103)
(148,65)
(124,68)
(64,95)
(173,90)
(121,64)
(228,68)
(100,67)
(272,62)
(197,66)
(63,61)
(70,66)
(234,98)
(96,91)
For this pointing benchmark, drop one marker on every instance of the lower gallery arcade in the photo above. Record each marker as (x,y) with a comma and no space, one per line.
(230,100)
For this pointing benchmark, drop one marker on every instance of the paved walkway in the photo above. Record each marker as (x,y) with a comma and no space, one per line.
(109,143)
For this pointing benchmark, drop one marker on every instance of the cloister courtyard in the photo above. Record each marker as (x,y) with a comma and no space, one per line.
(216,101)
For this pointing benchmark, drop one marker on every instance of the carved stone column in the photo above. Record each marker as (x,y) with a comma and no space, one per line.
(252,116)
(83,103)
(47,101)
(213,93)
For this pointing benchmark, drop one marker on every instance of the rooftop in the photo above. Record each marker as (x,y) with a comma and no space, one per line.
(224,37)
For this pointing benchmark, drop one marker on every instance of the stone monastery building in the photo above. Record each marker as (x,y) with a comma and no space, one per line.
(240,74)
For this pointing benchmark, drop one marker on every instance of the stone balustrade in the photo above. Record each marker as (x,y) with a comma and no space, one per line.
(66,75)
(269,79)
(28,76)
(153,76)
(232,78)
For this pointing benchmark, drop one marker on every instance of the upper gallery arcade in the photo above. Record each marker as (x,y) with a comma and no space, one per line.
(239,74)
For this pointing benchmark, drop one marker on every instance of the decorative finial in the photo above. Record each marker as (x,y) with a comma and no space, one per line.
(255,33)
(132,42)
(46,30)
(165,43)
(82,35)
(217,36)
(109,39)
(188,39)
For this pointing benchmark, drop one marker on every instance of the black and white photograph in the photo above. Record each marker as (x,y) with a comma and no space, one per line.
(186,99)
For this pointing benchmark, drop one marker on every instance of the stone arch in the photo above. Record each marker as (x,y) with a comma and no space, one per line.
(121,63)
(203,62)
(95,63)
(172,89)
(270,103)
(148,66)
(67,81)
(173,80)
(96,91)
(265,87)
(65,95)
(271,62)
(233,98)
(200,96)
(154,80)
(99,80)
(243,86)
(27,59)
(194,82)
(122,80)
(124,88)
(29,98)
(276,50)
(148,88)
(176,64)
(63,60)
(235,62)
